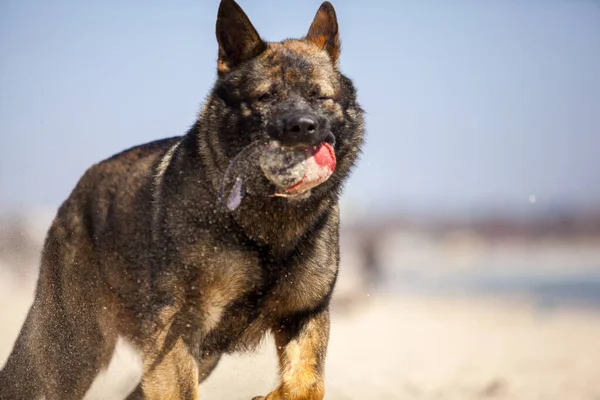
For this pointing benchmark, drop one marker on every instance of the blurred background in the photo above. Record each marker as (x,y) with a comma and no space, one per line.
(471,227)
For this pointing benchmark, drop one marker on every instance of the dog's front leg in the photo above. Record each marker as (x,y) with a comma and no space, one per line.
(170,366)
(301,347)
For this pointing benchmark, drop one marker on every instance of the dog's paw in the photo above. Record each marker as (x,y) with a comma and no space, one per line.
(278,396)
(310,392)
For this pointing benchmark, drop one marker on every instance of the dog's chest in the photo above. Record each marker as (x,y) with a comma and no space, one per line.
(243,321)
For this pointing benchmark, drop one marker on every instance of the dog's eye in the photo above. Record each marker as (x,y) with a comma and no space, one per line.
(266,97)
(316,96)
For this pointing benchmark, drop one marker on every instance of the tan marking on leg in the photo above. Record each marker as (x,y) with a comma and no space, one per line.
(301,361)
(170,369)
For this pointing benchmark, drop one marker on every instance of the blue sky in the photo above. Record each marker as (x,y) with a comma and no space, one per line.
(471,104)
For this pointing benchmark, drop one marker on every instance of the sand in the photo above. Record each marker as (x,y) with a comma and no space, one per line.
(394,347)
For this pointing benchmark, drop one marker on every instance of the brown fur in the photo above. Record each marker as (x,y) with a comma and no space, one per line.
(142,248)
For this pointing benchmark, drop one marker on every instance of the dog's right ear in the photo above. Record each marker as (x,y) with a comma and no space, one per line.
(237,38)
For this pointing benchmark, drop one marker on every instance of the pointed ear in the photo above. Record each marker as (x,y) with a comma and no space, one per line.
(323,31)
(237,38)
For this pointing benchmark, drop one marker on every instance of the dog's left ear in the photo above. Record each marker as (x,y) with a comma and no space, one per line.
(237,37)
(323,31)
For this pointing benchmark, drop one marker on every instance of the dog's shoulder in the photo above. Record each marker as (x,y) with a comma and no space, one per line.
(125,167)
(147,152)
(119,183)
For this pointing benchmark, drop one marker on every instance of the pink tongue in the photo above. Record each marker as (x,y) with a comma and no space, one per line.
(320,165)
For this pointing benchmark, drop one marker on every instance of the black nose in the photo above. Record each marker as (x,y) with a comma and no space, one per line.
(302,125)
(298,129)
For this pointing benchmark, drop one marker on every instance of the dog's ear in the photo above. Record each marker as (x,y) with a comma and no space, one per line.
(323,31)
(237,38)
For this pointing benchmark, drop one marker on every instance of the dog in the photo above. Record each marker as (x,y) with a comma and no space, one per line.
(144,247)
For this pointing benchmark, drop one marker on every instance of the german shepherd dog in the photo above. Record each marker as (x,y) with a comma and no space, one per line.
(145,249)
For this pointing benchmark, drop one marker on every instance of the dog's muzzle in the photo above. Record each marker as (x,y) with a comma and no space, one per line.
(300,127)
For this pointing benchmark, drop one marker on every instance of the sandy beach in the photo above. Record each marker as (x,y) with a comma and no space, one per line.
(394,347)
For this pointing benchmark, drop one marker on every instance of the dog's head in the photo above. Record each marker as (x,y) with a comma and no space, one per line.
(291,92)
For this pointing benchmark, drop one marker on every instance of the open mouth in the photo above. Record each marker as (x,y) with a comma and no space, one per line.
(296,170)
(292,170)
